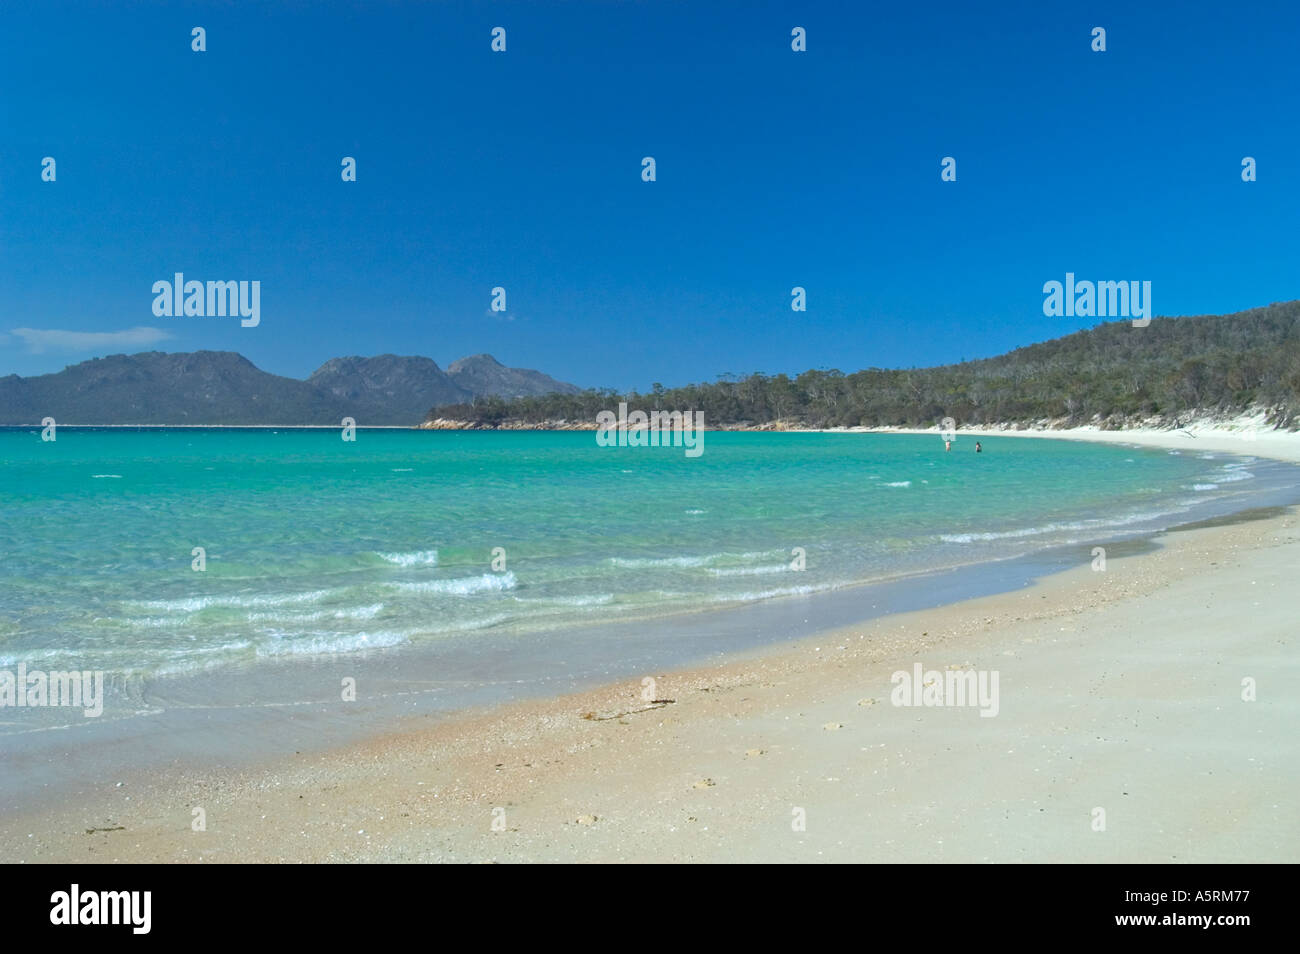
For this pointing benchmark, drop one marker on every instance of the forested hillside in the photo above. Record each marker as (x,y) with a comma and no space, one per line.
(1114,371)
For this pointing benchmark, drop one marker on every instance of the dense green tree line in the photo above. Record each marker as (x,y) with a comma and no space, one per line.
(1114,372)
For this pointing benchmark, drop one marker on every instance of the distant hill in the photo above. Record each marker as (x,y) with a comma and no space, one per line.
(484,376)
(222,387)
(1113,373)
(203,387)
(389,389)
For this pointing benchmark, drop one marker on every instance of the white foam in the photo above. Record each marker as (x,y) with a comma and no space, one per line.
(752,596)
(601,599)
(358,612)
(464,586)
(1097,524)
(195,603)
(748,570)
(648,563)
(149,622)
(1233,474)
(326,643)
(413,558)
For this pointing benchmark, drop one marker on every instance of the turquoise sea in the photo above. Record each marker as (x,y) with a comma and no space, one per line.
(316,546)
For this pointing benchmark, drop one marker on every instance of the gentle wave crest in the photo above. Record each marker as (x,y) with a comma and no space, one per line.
(1097,524)
(465,586)
(194,604)
(414,558)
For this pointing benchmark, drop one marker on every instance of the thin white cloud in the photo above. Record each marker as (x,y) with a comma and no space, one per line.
(40,340)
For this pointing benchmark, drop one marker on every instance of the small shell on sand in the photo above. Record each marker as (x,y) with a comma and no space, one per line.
(704,783)
(586,819)
(832,726)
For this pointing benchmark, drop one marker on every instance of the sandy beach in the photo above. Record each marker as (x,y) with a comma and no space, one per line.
(1145,712)
(1246,436)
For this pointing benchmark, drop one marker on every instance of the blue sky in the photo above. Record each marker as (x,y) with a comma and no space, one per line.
(523,170)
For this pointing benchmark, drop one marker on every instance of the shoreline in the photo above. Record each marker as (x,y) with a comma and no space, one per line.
(549,719)
(1105,702)
(1258,442)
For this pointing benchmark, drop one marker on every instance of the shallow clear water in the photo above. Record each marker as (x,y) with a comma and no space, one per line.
(318,546)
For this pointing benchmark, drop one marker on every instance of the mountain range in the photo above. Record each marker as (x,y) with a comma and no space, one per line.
(223,387)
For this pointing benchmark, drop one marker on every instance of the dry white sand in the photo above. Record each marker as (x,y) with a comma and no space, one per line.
(1245,436)
(1120,692)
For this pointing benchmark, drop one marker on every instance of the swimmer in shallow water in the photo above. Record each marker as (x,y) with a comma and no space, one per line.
(978,449)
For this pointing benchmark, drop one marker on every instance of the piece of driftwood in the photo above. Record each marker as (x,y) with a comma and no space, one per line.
(654,704)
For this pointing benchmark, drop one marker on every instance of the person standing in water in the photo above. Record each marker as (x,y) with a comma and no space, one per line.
(978,449)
